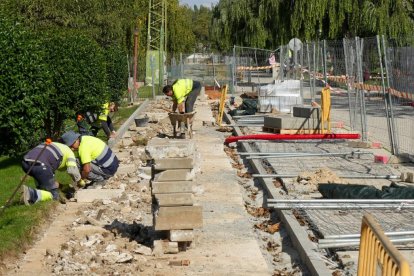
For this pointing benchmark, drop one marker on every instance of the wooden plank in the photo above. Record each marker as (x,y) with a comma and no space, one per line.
(176,218)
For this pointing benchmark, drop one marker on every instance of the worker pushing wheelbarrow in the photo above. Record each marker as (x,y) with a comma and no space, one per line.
(184,93)
(184,122)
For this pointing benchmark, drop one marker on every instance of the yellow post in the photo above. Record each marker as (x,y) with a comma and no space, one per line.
(221,106)
(326,109)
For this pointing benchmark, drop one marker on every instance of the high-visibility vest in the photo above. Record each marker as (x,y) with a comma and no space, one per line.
(181,88)
(105,111)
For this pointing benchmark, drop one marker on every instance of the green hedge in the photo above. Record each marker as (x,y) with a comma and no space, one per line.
(24,82)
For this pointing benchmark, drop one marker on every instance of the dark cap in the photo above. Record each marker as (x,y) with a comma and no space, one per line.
(70,137)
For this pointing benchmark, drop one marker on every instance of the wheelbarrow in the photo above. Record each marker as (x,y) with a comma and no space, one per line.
(178,120)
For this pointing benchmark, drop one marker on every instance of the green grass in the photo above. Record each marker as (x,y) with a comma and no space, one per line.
(146,91)
(122,115)
(18,222)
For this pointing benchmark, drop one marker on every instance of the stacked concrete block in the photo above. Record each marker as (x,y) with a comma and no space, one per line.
(305,119)
(307,112)
(172,184)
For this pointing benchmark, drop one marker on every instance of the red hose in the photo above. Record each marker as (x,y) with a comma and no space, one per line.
(232,139)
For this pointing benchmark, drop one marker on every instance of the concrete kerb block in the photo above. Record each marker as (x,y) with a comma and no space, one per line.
(174,175)
(181,235)
(173,163)
(159,148)
(291,123)
(175,199)
(179,218)
(172,187)
(306,112)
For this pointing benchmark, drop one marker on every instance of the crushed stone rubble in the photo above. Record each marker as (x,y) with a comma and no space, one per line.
(115,236)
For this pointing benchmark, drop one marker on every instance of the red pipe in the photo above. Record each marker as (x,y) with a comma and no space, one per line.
(232,139)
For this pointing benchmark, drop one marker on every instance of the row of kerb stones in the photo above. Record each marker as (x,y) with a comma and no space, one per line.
(172,186)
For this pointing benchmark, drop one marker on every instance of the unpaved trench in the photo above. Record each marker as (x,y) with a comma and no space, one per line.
(115,236)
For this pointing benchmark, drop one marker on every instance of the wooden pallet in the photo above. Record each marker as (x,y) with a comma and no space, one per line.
(291,131)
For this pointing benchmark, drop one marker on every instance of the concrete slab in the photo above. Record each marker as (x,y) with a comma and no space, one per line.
(174,175)
(181,235)
(307,112)
(177,199)
(166,148)
(179,218)
(173,163)
(290,123)
(89,195)
(172,187)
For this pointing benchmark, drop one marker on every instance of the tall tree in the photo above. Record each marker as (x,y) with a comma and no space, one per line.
(267,23)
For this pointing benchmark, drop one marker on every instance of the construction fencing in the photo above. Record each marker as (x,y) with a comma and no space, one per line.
(209,69)
(371,81)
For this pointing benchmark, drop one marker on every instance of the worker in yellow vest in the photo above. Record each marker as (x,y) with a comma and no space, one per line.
(105,120)
(184,93)
(55,156)
(98,162)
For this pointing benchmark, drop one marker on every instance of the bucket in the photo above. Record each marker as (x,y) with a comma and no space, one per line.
(141,121)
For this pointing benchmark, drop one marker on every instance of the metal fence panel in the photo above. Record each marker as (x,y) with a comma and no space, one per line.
(400,69)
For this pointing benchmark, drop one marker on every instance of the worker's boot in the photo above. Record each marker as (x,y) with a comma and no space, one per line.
(31,196)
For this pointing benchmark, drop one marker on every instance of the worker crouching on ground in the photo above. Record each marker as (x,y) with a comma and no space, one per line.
(55,156)
(98,162)
(105,120)
(184,93)
(92,123)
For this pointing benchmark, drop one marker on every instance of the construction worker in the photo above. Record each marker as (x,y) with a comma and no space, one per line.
(105,120)
(184,93)
(91,123)
(55,156)
(98,162)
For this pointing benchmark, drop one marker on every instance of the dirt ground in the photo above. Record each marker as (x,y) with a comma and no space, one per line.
(115,236)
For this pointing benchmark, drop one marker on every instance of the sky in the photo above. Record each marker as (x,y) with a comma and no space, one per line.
(206,3)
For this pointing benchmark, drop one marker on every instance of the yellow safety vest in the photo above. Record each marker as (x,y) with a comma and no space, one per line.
(90,148)
(68,157)
(181,88)
(105,111)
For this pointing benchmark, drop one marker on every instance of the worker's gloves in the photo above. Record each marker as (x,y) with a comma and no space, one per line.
(81,183)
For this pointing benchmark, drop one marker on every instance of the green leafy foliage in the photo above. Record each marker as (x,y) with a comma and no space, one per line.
(77,67)
(269,23)
(24,88)
(181,39)
(116,71)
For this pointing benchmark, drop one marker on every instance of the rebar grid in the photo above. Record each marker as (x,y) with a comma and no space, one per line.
(344,222)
